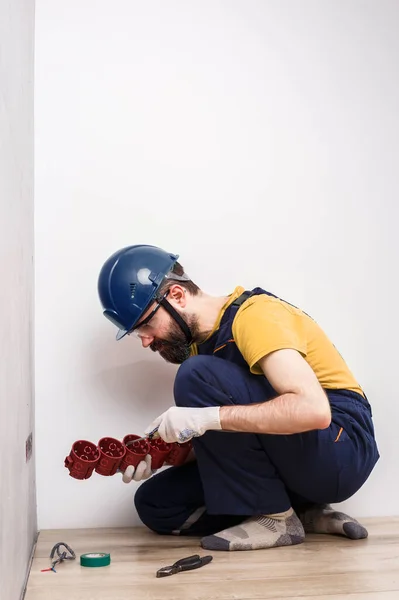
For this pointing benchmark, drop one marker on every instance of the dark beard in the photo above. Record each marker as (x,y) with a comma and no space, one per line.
(175,349)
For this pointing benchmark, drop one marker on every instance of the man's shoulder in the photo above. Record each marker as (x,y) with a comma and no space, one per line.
(266,306)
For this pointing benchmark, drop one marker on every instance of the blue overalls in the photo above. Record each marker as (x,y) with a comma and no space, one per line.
(237,475)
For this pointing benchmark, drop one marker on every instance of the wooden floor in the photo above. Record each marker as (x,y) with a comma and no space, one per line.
(324,567)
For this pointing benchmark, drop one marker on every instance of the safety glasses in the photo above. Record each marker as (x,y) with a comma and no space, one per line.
(141,328)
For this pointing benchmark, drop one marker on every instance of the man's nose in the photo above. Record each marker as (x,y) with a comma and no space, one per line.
(147,340)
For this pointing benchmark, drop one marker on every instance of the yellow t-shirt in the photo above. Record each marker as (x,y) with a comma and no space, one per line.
(264,324)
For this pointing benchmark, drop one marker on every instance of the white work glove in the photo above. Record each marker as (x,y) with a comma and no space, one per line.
(180,424)
(142,471)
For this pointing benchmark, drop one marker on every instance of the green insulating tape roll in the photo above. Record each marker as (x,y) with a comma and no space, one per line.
(95,559)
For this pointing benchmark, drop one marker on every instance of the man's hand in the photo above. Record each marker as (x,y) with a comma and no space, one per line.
(142,471)
(181,424)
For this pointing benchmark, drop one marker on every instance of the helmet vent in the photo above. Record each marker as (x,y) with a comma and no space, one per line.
(133,289)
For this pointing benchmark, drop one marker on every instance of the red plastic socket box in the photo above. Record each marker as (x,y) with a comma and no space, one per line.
(112,455)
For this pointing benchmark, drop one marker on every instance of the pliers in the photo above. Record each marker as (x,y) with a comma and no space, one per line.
(185,564)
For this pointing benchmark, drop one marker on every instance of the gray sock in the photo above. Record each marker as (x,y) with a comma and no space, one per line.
(323,519)
(264,531)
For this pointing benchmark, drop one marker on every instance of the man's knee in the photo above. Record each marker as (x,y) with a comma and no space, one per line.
(190,378)
(158,512)
(144,503)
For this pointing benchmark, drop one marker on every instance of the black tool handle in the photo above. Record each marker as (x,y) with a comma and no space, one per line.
(192,562)
(184,564)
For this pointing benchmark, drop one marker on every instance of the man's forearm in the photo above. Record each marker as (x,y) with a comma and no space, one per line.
(286,414)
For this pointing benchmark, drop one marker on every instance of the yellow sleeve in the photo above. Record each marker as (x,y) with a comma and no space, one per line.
(264,325)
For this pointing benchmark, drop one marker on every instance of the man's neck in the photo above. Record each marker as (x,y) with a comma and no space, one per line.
(207,309)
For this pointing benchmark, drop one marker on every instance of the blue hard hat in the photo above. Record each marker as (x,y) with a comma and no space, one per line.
(129,281)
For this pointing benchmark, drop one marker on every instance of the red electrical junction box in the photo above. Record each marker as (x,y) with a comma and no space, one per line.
(111,455)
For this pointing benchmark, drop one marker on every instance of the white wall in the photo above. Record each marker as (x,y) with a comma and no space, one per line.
(17,483)
(257,139)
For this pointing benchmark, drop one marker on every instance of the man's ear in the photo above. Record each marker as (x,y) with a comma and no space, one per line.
(178,294)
